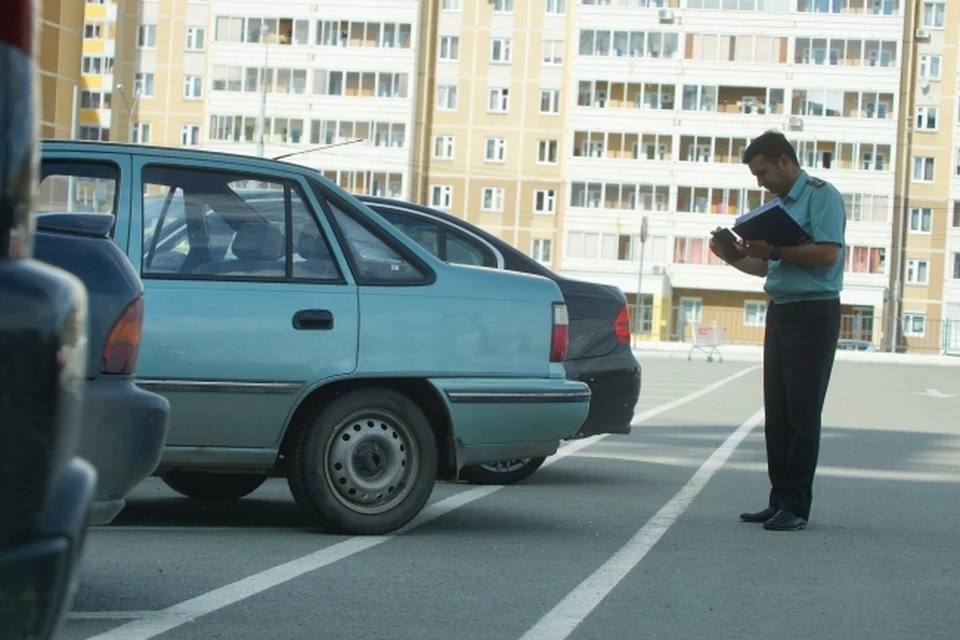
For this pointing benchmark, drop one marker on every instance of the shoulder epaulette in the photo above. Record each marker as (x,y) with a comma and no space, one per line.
(816,182)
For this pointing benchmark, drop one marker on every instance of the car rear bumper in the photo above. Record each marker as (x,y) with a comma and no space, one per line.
(123,433)
(502,419)
(38,577)
(614,383)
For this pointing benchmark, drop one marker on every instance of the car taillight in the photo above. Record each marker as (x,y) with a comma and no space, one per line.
(561,333)
(123,343)
(621,325)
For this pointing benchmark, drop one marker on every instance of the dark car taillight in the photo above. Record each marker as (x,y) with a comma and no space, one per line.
(621,325)
(560,340)
(123,343)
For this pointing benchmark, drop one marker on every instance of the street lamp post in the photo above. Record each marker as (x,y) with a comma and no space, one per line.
(644,232)
(130,108)
(262,120)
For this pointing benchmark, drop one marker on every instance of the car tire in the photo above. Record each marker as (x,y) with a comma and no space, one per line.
(364,464)
(502,472)
(201,485)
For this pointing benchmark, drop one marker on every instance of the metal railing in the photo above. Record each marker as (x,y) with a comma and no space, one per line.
(861,332)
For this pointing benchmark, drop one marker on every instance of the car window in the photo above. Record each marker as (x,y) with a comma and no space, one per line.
(375,260)
(77,187)
(462,250)
(221,225)
(423,232)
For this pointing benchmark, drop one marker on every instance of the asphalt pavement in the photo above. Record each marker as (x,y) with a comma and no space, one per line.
(615,537)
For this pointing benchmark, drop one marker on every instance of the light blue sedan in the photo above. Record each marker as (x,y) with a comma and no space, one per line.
(322,345)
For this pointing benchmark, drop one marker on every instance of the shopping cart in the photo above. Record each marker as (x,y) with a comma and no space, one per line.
(707,337)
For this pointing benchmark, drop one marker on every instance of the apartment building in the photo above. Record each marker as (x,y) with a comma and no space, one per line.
(59,43)
(925,275)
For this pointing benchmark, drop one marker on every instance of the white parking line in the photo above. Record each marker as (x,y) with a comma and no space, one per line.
(561,621)
(189,610)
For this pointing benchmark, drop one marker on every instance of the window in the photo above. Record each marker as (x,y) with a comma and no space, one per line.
(923,169)
(930,67)
(914,324)
(141,133)
(147,36)
(500,50)
(443,147)
(143,85)
(451,5)
(956,266)
(441,196)
(921,220)
(375,261)
(547,152)
(545,201)
(449,48)
(189,135)
(196,39)
(927,118)
(92,31)
(556,7)
(918,272)
(754,313)
(77,186)
(553,52)
(192,87)
(550,101)
(441,241)
(423,232)
(447,97)
(495,150)
(498,100)
(460,250)
(934,15)
(541,250)
(955,222)
(237,228)
(503,6)
(492,199)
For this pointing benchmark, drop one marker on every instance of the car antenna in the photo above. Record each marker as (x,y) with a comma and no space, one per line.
(329,146)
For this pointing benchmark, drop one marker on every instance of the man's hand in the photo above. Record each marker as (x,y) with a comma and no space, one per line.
(757,249)
(718,249)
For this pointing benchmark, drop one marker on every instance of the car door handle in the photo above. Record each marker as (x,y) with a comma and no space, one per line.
(307,319)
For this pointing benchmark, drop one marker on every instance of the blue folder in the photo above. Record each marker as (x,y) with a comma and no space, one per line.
(771,223)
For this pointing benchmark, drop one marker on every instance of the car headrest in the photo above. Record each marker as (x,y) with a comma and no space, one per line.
(311,246)
(258,241)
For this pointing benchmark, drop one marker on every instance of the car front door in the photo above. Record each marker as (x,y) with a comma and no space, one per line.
(243,312)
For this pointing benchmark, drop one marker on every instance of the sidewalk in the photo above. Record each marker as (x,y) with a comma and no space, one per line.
(754,353)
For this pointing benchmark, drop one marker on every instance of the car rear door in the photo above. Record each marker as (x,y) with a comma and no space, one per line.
(243,313)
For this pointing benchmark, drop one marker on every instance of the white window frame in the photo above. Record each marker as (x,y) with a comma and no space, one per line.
(447,97)
(146,33)
(556,7)
(503,6)
(931,67)
(910,319)
(917,219)
(501,50)
(760,311)
(190,132)
(441,196)
(190,41)
(448,48)
(445,143)
(920,166)
(553,97)
(927,115)
(495,150)
(140,84)
(913,272)
(498,100)
(548,152)
(141,133)
(491,199)
(549,200)
(553,53)
(934,15)
(192,87)
(541,250)
(451,5)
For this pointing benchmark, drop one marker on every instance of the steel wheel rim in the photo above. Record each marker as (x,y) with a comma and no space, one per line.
(370,463)
(505,466)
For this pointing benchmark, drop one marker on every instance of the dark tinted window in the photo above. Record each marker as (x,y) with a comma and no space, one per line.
(77,186)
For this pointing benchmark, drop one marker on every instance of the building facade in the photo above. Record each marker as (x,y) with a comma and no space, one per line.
(59,43)
(561,125)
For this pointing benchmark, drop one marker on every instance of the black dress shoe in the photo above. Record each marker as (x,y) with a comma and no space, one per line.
(759,516)
(784,521)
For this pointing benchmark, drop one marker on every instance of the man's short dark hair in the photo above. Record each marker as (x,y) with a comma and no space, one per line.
(771,145)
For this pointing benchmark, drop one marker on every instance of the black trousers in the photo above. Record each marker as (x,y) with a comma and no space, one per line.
(798,352)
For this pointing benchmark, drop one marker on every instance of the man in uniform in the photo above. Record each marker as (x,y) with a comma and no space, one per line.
(802,324)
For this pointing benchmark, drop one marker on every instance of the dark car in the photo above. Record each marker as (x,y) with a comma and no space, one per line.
(45,489)
(124,427)
(600,353)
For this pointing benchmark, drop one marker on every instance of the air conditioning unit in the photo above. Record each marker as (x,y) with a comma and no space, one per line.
(796,123)
(666,15)
(922,35)
(657,268)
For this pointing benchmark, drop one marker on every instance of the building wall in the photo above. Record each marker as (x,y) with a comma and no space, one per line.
(58,49)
